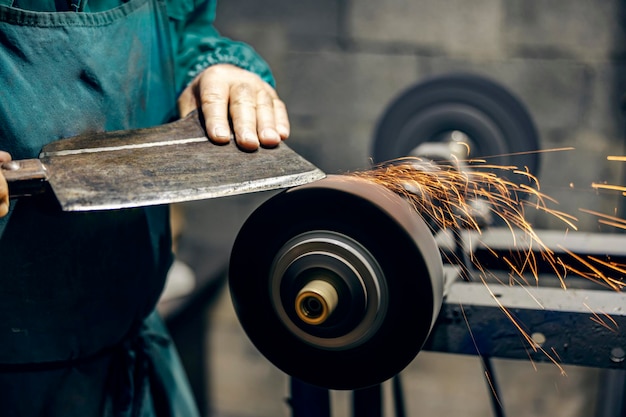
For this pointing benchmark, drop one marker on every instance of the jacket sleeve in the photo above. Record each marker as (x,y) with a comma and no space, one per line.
(197,44)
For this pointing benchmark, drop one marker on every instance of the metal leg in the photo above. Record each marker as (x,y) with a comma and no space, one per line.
(367,402)
(308,400)
(398,396)
(494,389)
(611,392)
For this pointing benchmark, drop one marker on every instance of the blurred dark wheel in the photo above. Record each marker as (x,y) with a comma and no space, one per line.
(459,107)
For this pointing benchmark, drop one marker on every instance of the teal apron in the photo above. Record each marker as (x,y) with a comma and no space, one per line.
(77,337)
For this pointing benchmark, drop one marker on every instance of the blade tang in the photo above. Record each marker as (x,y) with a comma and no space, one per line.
(25,177)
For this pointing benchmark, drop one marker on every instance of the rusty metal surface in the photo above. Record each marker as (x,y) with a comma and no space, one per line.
(184,130)
(165,164)
(133,177)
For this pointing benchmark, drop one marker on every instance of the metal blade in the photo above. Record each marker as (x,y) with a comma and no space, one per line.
(167,164)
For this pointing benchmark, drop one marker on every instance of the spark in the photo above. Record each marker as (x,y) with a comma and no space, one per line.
(595,317)
(606,219)
(447,197)
(556,354)
(538,151)
(484,360)
(591,272)
(455,199)
(612,221)
(616,158)
(611,187)
(617,225)
(528,338)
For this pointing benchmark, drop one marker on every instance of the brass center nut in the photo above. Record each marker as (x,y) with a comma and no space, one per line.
(316,302)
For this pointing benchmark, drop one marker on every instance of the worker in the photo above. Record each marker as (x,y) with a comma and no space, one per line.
(79,335)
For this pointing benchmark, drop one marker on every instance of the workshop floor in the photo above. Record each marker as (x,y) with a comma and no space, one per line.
(244,384)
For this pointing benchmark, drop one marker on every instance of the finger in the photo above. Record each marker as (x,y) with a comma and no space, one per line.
(281,118)
(4,188)
(243,113)
(187,101)
(266,126)
(214,99)
(5,156)
(4,197)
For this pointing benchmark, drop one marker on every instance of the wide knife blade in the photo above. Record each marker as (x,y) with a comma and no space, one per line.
(171,163)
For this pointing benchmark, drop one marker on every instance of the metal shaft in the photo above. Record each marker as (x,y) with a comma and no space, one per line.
(316,302)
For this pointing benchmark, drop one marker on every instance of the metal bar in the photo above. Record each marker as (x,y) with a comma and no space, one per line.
(494,387)
(611,391)
(398,396)
(367,402)
(575,326)
(308,400)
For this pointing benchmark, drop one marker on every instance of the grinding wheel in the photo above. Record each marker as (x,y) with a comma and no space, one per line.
(338,282)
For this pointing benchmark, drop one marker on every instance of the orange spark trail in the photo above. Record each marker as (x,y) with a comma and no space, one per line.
(611,187)
(609,220)
(616,158)
(599,320)
(450,198)
(612,224)
(447,197)
(606,219)
(567,148)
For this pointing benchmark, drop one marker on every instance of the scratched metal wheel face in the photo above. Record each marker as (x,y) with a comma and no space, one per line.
(348,267)
(337,283)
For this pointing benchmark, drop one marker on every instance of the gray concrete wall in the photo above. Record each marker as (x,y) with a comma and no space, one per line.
(340,63)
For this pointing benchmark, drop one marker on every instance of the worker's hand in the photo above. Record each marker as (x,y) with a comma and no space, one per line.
(4,189)
(223,91)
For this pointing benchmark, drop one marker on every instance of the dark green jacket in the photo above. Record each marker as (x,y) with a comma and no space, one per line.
(196,42)
(77,337)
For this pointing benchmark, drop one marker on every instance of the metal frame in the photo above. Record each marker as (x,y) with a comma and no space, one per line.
(578,326)
(566,324)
